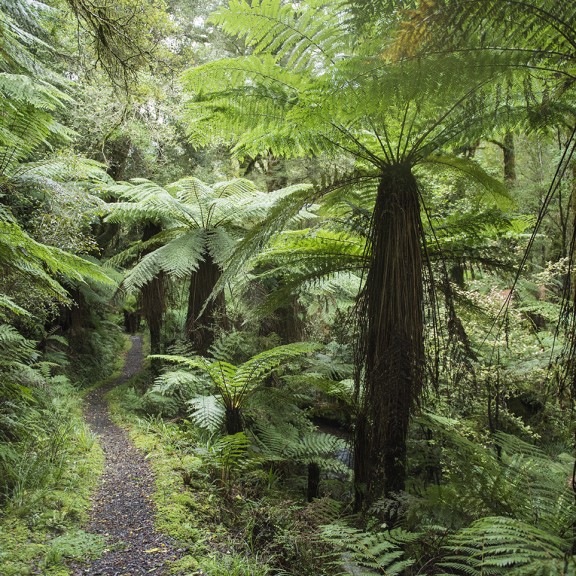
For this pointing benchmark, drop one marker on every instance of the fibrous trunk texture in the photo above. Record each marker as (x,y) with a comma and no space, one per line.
(509,152)
(200,329)
(153,297)
(391,345)
(233,421)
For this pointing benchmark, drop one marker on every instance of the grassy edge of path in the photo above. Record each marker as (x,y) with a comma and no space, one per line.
(189,506)
(40,528)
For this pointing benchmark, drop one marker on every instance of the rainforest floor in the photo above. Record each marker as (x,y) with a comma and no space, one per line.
(122,509)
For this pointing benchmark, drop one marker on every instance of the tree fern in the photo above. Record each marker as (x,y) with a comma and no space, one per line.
(201,228)
(349,97)
(235,383)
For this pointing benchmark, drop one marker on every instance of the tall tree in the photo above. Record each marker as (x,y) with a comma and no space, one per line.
(308,88)
(200,226)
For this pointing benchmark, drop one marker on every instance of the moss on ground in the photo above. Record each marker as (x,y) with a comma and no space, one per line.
(40,525)
(41,530)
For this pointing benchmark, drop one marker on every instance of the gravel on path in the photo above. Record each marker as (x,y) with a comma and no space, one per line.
(122,510)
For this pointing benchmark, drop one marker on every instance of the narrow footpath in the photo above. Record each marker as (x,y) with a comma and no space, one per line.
(122,510)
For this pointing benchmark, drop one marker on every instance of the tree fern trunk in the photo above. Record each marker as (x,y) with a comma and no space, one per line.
(200,329)
(391,348)
(152,295)
(153,301)
(233,421)
(509,151)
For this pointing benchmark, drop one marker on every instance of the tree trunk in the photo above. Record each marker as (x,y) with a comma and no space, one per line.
(153,301)
(509,152)
(233,421)
(153,311)
(313,488)
(200,329)
(391,345)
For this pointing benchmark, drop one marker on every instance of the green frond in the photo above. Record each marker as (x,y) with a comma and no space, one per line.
(178,382)
(26,91)
(368,553)
(8,305)
(231,453)
(62,168)
(25,129)
(501,545)
(220,244)
(195,362)
(179,258)
(14,347)
(305,39)
(496,189)
(253,371)
(230,92)
(19,252)
(222,373)
(207,412)
(146,201)
(291,201)
(532,30)
(524,483)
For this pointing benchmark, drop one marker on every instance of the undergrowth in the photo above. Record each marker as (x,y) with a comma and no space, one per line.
(220,503)
(39,524)
(49,475)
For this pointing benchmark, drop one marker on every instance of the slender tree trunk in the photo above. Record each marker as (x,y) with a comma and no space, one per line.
(313,488)
(153,301)
(391,346)
(287,324)
(509,152)
(200,329)
(153,309)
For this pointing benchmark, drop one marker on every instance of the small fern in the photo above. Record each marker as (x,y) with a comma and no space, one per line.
(500,545)
(370,553)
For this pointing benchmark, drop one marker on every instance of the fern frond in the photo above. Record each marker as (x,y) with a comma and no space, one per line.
(307,39)
(258,367)
(496,189)
(7,304)
(178,382)
(178,258)
(498,545)
(207,412)
(20,252)
(372,552)
(14,347)
(291,201)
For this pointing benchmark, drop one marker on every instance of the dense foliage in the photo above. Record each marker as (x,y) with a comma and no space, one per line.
(347,232)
